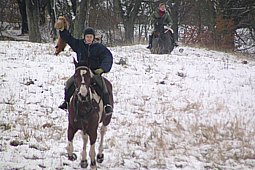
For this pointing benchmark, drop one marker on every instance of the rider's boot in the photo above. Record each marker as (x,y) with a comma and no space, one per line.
(150,42)
(174,42)
(107,107)
(64,104)
(105,97)
(69,90)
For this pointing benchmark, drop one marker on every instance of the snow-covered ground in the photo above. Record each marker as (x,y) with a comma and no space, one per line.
(189,110)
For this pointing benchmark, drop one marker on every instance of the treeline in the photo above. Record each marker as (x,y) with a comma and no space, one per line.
(213,23)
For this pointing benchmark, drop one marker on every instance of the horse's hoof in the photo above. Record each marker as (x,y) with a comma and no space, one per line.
(100,158)
(84,164)
(93,165)
(72,157)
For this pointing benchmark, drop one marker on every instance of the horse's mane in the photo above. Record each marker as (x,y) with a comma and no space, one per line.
(81,64)
(159,25)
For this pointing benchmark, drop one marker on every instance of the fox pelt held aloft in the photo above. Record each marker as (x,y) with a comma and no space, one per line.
(61,44)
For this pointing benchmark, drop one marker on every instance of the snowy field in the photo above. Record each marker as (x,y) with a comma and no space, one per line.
(193,110)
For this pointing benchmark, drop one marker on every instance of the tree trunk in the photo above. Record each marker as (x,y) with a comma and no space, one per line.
(22,10)
(81,17)
(53,17)
(32,10)
(129,16)
(129,31)
(174,15)
(199,22)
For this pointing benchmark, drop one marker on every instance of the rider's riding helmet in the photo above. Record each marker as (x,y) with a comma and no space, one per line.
(89,30)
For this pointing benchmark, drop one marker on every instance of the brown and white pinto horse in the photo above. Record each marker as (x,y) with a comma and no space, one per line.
(85,114)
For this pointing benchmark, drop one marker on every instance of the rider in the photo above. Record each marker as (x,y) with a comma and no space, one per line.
(98,57)
(160,13)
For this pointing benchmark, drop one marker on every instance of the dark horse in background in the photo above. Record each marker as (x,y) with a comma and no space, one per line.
(86,113)
(162,39)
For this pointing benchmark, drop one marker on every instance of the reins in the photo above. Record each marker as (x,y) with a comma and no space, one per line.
(81,67)
(88,99)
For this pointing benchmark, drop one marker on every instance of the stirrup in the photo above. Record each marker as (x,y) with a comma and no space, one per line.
(108,110)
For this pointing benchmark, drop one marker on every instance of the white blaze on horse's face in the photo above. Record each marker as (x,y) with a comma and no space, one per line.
(83,89)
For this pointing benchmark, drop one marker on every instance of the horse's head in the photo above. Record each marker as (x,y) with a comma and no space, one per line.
(82,79)
(159,25)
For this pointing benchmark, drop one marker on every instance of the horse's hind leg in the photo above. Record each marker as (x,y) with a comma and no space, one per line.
(69,148)
(100,155)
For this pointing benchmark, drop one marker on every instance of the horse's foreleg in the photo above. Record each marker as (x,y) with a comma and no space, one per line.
(84,151)
(92,154)
(84,162)
(92,151)
(69,147)
(100,155)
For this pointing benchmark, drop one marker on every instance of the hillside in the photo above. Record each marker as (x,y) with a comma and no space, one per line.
(189,110)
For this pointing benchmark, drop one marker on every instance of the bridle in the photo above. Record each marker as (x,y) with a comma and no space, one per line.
(84,98)
(83,86)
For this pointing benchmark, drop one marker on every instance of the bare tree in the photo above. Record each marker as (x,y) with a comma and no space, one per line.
(51,7)
(32,10)
(240,14)
(22,9)
(128,12)
(81,17)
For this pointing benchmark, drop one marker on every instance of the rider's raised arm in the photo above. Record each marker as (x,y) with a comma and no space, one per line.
(62,25)
(69,39)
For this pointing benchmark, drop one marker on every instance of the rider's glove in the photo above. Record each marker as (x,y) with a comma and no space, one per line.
(167,27)
(99,71)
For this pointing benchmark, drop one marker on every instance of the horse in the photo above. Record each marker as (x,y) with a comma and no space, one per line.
(86,113)
(162,39)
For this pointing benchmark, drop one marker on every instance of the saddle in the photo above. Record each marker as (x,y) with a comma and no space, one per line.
(98,89)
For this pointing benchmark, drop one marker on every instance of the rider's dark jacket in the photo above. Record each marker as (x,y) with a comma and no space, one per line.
(166,18)
(95,54)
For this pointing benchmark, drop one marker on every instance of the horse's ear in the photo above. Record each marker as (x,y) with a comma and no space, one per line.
(75,62)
